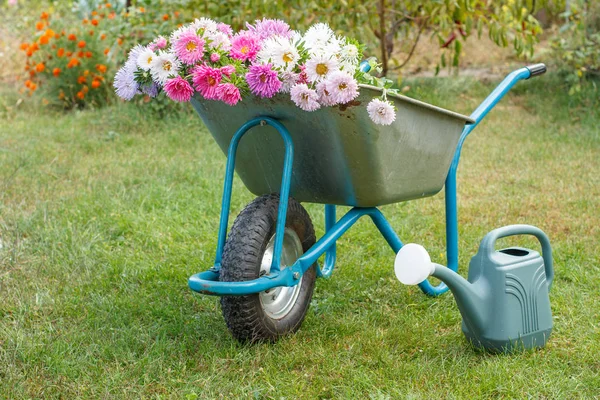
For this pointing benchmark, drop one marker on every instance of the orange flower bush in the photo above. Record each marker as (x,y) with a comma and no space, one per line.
(72,64)
(59,64)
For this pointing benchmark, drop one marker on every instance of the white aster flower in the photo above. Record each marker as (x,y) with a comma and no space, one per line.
(381,111)
(163,66)
(348,57)
(179,31)
(280,52)
(348,67)
(304,97)
(318,35)
(349,53)
(206,24)
(319,67)
(334,46)
(296,37)
(320,40)
(144,60)
(217,40)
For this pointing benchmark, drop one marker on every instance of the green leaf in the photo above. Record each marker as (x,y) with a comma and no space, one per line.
(457,50)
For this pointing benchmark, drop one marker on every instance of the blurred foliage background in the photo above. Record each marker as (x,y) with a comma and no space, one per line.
(562,33)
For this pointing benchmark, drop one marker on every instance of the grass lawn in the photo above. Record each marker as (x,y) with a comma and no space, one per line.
(105,214)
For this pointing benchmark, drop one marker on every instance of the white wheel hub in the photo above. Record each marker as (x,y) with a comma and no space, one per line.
(279,301)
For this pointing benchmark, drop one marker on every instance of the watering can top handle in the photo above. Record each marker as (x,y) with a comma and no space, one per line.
(489,242)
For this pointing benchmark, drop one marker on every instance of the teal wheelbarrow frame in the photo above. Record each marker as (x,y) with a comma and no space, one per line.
(208,282)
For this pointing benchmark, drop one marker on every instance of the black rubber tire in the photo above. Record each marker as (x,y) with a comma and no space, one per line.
(242,256)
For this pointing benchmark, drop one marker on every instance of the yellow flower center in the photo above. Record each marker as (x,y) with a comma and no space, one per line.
(304,96)
(149,59)
(322,69)
(167,66)
(191,46)
(342,86)
(288,57)
(244,50)
(211,81)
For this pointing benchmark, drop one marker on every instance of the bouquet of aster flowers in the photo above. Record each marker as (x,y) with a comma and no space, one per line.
(317,69)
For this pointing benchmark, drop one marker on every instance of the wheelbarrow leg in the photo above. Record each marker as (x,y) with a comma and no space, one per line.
(284,191)
(330,254)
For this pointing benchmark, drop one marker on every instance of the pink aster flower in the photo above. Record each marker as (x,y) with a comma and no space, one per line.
(158,44)
(244,46)
(227,70)
(325,97)
(304,97)
(214,57)
(228,93)
(302,76)
(206,80)
(189,47)
(265,28)
(288,79)
(178,89)
(342,87)
(224,28)
(262,80)
(381,112)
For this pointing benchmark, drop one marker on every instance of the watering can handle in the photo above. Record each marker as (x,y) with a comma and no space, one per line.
(489,242)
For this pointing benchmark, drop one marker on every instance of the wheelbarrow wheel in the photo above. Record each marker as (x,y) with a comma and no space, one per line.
(247,255)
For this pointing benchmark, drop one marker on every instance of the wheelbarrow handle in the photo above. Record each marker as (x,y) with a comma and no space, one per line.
(536,69)
(364,66)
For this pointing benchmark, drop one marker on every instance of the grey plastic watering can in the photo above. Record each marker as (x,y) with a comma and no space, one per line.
(504,303)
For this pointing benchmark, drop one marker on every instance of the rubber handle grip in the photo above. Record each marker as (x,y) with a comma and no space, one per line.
(364,66)
(536,69)
(489,242)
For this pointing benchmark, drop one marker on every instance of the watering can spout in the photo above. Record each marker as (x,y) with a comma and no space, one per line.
(413,265)
(470,299)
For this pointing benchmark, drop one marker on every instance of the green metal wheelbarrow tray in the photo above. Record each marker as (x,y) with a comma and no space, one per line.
(266,268)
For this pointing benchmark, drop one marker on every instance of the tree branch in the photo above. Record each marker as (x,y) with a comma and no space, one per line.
(412,50)
(383,38)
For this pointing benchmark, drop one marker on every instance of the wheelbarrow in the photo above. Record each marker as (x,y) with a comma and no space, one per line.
(265,269)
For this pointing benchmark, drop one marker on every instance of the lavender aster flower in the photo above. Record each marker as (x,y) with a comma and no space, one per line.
(265,28)
(263,81)
(134,54)
(150,89)
(125,85)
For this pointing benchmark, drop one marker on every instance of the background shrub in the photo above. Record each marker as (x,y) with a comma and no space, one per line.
(70,62)
(577,44)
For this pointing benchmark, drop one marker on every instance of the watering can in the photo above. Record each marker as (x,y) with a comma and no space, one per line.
(504,303)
